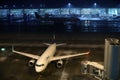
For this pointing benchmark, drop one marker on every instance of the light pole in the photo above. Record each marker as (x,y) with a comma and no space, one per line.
(69,6)
(95,5)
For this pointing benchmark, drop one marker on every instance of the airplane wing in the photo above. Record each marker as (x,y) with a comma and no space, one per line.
(26,54)
(68,56)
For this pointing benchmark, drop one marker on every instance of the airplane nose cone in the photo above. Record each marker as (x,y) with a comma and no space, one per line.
(39,69)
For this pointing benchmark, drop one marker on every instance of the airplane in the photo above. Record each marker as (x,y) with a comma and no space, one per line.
(47,57)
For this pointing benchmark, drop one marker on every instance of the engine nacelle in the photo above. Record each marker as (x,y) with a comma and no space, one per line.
(60,64)
(31,63)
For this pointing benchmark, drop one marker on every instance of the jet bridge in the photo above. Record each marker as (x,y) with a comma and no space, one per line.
(93,68)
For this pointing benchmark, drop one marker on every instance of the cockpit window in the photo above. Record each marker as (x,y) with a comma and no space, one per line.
(39,65)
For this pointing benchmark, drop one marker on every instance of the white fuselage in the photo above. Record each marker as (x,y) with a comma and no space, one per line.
(44,59)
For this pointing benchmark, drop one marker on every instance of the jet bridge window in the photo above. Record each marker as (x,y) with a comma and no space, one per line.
(39,65)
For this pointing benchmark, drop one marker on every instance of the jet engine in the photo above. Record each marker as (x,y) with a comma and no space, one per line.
(60,64)
(31,63)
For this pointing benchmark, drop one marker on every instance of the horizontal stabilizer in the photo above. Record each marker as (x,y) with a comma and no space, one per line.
(61,44)
(48,44)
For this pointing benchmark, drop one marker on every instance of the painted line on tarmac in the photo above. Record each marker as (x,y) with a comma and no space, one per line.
(64,75)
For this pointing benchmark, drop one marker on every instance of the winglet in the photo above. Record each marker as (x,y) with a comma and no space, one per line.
(88,54)
(89,51)
(12,48)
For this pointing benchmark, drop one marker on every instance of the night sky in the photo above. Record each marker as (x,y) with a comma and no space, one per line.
(61,3)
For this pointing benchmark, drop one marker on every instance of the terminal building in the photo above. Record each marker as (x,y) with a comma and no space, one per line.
(62,7)
(81,12)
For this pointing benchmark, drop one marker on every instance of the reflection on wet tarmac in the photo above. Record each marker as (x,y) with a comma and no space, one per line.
(37,26)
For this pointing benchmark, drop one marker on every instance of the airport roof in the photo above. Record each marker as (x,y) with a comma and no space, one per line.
(62,3)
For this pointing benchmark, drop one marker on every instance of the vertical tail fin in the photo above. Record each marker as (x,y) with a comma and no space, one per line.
(54,38)
(12,48)
(54,41)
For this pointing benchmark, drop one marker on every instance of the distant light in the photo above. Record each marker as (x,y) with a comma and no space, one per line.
(95,4)
(69,4)
(3,49)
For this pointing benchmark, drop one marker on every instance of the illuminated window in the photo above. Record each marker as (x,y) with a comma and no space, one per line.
(17,12)
(3,13)
(75,11)
(112,11)
(64,11)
